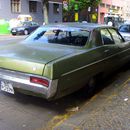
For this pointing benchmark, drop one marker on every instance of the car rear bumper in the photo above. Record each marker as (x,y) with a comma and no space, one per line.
(17,32)
(21,81)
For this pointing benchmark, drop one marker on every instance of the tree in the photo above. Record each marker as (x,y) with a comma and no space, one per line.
(79,5)
(83,4)
(88,3)
(45,10)
(91,6)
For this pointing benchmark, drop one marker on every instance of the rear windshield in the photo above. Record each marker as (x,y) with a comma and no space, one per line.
(66,36)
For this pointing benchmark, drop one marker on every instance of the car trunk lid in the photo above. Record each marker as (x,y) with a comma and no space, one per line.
(29,58)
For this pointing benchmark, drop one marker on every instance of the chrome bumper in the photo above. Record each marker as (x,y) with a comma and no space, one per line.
(22,81)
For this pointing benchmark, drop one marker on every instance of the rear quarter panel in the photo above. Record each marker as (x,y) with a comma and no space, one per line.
(75,70)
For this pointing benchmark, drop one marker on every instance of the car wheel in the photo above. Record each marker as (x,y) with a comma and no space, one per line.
(91,85)
(26,32)
(89,89)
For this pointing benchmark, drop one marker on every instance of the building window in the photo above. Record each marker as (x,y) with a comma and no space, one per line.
(113,6)
(108,6)
(102,5)
(118,8)
(56,8)
(15,6)
(33,6)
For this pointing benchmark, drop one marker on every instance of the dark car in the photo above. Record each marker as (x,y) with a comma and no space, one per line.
(25,29)
(58,59)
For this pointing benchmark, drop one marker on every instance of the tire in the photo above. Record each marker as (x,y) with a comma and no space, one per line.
(26,32)
(89,89)
(91,85)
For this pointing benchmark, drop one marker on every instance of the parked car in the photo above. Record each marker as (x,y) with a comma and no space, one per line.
(58,59)
(25,28)
(124,29)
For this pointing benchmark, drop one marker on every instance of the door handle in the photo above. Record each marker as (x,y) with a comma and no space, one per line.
(106,51)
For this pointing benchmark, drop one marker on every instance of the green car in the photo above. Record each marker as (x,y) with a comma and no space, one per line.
(58,59)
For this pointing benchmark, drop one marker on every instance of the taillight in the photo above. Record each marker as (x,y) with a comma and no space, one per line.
(41,81)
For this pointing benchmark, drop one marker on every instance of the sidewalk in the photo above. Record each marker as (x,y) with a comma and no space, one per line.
(108,110)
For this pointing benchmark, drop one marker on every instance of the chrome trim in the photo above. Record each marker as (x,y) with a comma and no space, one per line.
(22,81)
(93,63)
(55,2)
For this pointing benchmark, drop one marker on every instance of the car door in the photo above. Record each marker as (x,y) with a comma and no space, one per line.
(34,26)
(102,53)
(31,27)
(123,46)
(109,50)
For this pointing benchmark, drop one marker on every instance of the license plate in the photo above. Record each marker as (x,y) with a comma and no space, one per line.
(7,87)
(13,30)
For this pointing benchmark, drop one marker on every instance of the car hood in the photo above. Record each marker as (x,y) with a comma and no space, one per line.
(31,58)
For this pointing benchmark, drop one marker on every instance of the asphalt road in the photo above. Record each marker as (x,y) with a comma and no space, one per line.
(6,39)
(21,112)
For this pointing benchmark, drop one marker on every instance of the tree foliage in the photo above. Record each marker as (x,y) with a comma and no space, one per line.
(79,5)
(87,3)
(83,4)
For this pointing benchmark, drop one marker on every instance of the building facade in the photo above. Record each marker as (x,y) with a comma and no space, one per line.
(114,7)
(126,10)
(10,9)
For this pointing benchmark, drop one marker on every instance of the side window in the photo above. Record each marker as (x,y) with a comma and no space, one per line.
(106,37)
(124,28)
(34,24)
(117,38)
(96,38)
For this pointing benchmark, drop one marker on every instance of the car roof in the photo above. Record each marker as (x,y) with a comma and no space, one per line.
(87,26)
(125,24)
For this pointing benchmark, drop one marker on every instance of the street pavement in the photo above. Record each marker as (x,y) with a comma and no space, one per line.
(107,109)
(6,39)
(10,37)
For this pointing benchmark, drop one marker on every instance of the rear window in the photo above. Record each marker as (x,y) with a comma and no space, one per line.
(66,36)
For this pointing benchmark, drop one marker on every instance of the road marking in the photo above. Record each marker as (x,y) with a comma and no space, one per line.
(125,83)
(59,119)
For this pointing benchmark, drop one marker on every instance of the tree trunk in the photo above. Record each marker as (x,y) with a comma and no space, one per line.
(45,11)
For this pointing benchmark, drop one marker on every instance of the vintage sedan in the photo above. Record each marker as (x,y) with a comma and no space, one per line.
(58,59)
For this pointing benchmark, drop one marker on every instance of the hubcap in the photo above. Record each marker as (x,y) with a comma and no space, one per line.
(25,32)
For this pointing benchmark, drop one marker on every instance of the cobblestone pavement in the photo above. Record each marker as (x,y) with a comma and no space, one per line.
(107,110)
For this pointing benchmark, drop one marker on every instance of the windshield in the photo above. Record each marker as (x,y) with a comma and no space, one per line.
(65,36)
